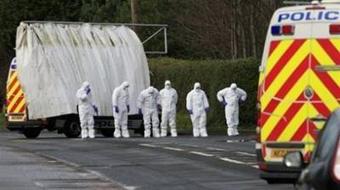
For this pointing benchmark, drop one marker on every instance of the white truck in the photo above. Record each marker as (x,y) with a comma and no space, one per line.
(52,61)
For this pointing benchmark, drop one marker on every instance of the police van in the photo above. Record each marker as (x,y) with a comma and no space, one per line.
(299,84)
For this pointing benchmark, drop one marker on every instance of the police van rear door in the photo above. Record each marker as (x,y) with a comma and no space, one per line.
(324,78)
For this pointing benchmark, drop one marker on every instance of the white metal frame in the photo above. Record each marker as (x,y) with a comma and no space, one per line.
(162,29)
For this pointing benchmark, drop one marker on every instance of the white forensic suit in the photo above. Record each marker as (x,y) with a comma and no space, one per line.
(197,105)
(86,111)
(147,104)
(230,97)
(168,101)
(121,108)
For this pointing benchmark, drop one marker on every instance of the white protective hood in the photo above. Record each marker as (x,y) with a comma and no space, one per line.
(54,59)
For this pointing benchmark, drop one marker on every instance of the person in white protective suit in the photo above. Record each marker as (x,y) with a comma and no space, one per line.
(86,110)
(147,105)
(231,97)
(121,108)
(197,105)
(168,101)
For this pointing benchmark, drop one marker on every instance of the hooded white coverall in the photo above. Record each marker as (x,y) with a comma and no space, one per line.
(197,104)
(120,103)
(86,111)
(147,102)
(230,97)
(168,101)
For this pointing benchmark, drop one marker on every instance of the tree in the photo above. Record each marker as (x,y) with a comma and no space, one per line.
(135,13)
(198,29)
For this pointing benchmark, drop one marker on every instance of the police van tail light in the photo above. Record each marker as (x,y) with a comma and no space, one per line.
(279,30)
(288,29)
(335,171)
(334,29)
(258,134)
(258,112)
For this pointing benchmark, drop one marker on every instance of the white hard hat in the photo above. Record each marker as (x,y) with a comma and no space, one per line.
(150,89)
(125,84)
(233,86)
(197,85)
(85,84)
(167,83)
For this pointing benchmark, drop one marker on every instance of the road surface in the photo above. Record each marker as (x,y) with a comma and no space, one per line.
(136,163)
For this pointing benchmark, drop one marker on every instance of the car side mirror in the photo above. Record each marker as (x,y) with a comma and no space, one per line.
(293,160)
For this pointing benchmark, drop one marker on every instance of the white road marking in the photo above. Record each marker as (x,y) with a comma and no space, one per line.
(201,153)
(172,148)
(250,164)
(38,184)
(246,154)
(148,145)
(217,149)
(233,161)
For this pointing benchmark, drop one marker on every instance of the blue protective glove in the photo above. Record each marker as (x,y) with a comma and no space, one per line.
(159,107)
(190,112)
(128,108)
(224,102)
(206,109)
(88,90)
(95,109)
(116,109)
(140,111)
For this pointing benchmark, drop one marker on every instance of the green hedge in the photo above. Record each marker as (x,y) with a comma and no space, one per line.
(213,76)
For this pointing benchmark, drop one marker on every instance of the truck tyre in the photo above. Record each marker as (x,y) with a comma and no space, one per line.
(107,132)
(272,181)
(32,133)
(72,128)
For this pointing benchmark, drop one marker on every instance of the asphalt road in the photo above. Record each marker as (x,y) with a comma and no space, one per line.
(137,163)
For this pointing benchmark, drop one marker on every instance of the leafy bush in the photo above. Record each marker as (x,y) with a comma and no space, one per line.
(213,75)
(2,120)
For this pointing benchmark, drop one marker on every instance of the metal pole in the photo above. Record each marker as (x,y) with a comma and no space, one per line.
(165,40)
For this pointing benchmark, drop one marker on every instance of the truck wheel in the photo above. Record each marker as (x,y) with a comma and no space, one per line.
(107,132)
(72,128)
(272,181)
(32,133)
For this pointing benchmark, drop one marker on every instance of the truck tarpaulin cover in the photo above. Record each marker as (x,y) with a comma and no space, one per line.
(55,59)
